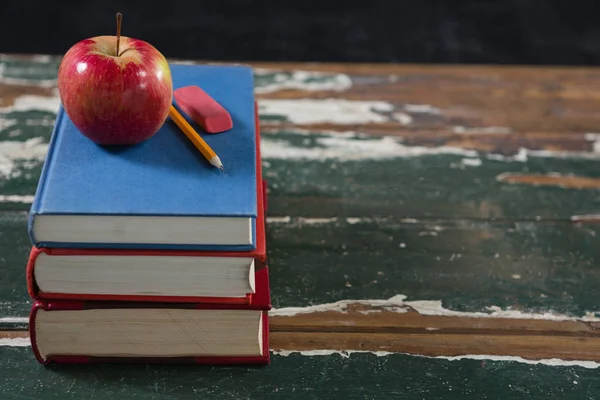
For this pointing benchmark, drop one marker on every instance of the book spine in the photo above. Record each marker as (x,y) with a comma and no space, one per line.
(266,333)
(32,288)
(37,305)
(38,199)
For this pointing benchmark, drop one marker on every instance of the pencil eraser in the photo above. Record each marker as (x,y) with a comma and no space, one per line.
(203,109)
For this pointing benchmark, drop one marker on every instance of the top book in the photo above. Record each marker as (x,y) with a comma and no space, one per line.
(161,193)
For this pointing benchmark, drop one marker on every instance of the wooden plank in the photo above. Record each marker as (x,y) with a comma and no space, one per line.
(466,265)
(364,318)
(543,347)
(357,376)
(362,327)
(432,344)
(419,150)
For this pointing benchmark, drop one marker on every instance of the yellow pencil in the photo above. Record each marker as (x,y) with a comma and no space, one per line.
(191,134)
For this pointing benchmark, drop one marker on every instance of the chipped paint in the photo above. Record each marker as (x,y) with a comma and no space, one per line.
(551,179)
(334,111)
(350,147)
(6,123)
(270,81)
(553,362)
(14,320)
(471,162)
(33,103)
(316,221)
(398,304)
(15,342)
(279,220)
(403,118)
(523,155)
(358,146)
(31,152)
(421,109)
(484,130)
(14,198)
(595,138)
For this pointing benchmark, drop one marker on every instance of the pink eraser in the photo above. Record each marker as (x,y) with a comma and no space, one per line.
(203,109)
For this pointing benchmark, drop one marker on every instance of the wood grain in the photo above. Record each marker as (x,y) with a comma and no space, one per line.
(507,107)
(564,181)
(521,263)
(568,348)
(377,321)
(366,328)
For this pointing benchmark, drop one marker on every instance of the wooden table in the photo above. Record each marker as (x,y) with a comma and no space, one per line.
(432,233)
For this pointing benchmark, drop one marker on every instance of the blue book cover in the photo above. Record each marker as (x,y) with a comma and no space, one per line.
(161,193)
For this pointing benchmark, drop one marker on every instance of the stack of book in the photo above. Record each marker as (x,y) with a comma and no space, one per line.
(147,252)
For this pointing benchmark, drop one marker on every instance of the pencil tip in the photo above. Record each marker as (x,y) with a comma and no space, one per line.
(216,161)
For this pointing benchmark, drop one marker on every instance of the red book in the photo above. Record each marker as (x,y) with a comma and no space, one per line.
(68,331)
(152,275)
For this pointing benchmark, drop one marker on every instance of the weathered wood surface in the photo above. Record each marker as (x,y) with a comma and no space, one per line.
(436,211)
(355,376)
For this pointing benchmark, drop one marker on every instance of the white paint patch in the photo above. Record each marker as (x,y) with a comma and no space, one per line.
(356,146)
(523,155)
(409,220)
(421,109)
(6,123)
(471,162)
(334,111)
(403,118)
(33,103)
(489,130)
(426,307)
(351,148)
(321,221)
(594,137)
(394,304)
(316,221)
(302,80)
(279,220)
(554,362)
(32,151)
(342,353)
(14,198)
(15,342)
(14,320)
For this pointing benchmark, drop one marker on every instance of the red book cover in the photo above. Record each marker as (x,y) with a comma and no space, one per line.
(66,305)
(259,255)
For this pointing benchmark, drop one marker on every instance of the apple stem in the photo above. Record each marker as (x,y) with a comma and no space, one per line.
(119,19)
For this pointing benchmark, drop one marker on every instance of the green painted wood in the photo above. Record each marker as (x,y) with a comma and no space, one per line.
(360,376)
(14,250)
(23,70)
(401,182)
(430,186)
(469,266)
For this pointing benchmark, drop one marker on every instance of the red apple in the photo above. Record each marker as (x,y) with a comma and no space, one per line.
(115,99)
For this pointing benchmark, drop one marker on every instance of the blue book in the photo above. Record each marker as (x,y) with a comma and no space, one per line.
(161,193)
